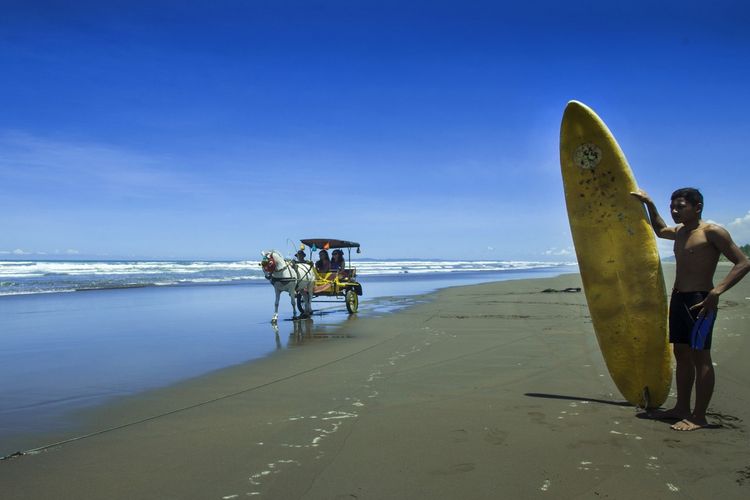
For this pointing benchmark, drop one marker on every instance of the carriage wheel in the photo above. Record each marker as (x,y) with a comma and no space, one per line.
(352,301)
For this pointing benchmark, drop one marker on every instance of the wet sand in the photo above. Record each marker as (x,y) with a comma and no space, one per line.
(486,391)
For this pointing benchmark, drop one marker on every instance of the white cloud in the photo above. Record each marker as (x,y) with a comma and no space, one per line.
(740,229)
(69,251)
(559,252)
(20,251)
(739,221)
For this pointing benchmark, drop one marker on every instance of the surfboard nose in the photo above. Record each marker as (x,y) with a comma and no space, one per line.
(576,113)
(577,107)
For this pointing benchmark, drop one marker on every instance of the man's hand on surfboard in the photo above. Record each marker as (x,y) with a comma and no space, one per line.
(642,196)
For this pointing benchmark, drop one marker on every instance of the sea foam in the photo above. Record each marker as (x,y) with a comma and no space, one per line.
(28,277)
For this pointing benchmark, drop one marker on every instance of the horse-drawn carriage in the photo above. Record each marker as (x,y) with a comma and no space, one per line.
(304,280)
(336,284)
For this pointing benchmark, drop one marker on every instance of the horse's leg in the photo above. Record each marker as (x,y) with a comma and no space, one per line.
(275,318)
(294,306)
(308,302)
(302,314)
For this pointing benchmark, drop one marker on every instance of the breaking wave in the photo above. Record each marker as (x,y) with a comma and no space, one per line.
(30,277)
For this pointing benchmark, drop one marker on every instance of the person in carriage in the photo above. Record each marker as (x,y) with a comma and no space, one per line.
(337,261)
(323,265)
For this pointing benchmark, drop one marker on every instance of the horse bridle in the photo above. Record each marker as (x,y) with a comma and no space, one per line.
(269,276)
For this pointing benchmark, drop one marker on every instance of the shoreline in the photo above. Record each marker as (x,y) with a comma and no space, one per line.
(480,389)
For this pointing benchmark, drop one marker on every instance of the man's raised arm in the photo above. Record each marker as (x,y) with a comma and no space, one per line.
(660,227)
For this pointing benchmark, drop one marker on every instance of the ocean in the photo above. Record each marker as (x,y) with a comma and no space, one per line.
(79,334)
(18,277)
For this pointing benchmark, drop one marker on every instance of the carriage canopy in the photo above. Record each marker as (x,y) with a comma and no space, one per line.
(327,243)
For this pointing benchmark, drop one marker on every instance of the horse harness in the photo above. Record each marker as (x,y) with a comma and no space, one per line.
(297,278)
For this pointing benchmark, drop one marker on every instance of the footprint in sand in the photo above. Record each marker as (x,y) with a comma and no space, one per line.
(455,469)
(725,420)
(672,443)
(459,436)
(743,476)
(495,436)
(536,417)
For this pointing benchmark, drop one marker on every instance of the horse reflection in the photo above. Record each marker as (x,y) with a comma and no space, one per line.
(305,330)
(276,334)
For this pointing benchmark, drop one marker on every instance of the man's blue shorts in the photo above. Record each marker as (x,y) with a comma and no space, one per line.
(685,326)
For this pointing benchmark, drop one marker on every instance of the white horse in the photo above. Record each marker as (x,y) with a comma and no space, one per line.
(291,277)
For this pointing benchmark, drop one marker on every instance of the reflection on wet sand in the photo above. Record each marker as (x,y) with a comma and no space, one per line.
(326,322)
(303,331)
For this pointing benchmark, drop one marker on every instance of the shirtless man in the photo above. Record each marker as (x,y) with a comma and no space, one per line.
(695,299)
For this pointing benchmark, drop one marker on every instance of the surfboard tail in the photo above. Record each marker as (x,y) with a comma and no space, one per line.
(645,398)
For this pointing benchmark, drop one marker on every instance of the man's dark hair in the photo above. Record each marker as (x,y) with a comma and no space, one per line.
(691,195)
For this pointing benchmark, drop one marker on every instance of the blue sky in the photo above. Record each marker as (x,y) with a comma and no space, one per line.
(420,129)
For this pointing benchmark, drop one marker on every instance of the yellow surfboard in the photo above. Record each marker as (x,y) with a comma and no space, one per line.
(618,258)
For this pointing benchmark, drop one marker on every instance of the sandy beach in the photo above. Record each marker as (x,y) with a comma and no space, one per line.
(485,391)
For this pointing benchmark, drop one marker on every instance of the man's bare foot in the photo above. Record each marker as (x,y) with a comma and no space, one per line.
(673,414)
(689,425)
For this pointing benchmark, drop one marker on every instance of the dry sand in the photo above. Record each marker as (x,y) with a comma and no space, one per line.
(486,391)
